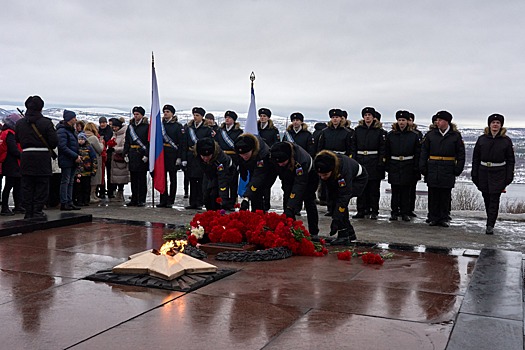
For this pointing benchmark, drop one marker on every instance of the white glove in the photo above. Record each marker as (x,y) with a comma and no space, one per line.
(184,163)
(126,159)
(178,162)
(145,159)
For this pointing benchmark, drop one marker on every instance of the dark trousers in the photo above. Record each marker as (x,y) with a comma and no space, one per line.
(312,214)
(139,186)
(439,203)
(491,207)
(83,190)
(196,191)
(168,197)
(35,190)
(400,200)
(412,196)
(186,183)
(12,183)
(368,201)
(210,195)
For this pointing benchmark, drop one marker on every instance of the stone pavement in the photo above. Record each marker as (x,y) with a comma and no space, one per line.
(469,297)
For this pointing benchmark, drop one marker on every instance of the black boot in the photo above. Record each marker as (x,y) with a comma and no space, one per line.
(344,237)
(6,211)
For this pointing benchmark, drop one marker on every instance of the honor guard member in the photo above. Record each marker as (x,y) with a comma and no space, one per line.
(369,151)
(219,170)
(225,137)
(35,160)
(493,166)
(413,186)
(402,149)
(297,132)
(269,133)
(299,182)
(442,159)
(335,137)
(254,161)
(136,148)
(209,120)
(194,131)
(173,138)
(346,123)
(345,178)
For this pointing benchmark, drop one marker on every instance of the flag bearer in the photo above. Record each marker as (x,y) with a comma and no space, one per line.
(136,148)
(173,138)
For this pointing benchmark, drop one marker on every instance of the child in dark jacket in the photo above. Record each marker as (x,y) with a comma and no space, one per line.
(86,169)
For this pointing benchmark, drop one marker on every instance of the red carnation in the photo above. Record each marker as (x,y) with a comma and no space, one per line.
(192,240)
(236,205)
(218,200)
(346,255)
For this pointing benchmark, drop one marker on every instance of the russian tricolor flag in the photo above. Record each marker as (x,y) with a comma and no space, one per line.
(156,142)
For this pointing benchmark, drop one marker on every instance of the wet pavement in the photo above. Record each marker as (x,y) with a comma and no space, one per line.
(469,298)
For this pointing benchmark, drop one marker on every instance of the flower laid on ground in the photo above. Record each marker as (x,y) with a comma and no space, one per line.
(372,258)
(366,257)
(346,255)
(198,231)
(266,230)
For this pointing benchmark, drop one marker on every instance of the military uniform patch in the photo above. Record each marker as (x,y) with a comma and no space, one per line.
(220,167)
(292,195)
(341,209)
(223,189)
(299,171)
(260,163)
(341,182)
(253,188)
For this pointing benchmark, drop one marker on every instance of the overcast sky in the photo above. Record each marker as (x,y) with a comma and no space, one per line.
(463,56)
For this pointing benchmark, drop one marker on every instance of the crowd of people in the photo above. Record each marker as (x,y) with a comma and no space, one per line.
(225,168)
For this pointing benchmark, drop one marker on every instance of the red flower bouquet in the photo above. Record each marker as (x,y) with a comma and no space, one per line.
(266,230)
(346,255)
(371,258)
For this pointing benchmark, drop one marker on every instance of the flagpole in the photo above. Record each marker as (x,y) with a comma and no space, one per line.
(151,116)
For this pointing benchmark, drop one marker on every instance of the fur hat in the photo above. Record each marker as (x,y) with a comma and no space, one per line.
(266,112)
(411,116)
(205,146)
(402,115)
(244,144)
(209,116)
(324,163)
(139,109)
(344,114)
(370,110)
(444,115)
(102,120)
(496,116)
(335,112)
(198,110)
(34,103)
(281,152)
(169,108)
(68,115)
(377,115)
(231,114)
(297,115)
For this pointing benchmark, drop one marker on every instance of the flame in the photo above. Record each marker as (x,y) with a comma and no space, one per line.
(171,245)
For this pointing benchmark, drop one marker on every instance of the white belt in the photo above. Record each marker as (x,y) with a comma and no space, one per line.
(35,149)
(365,153)
(402,157)
(339,152)
(490,164)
